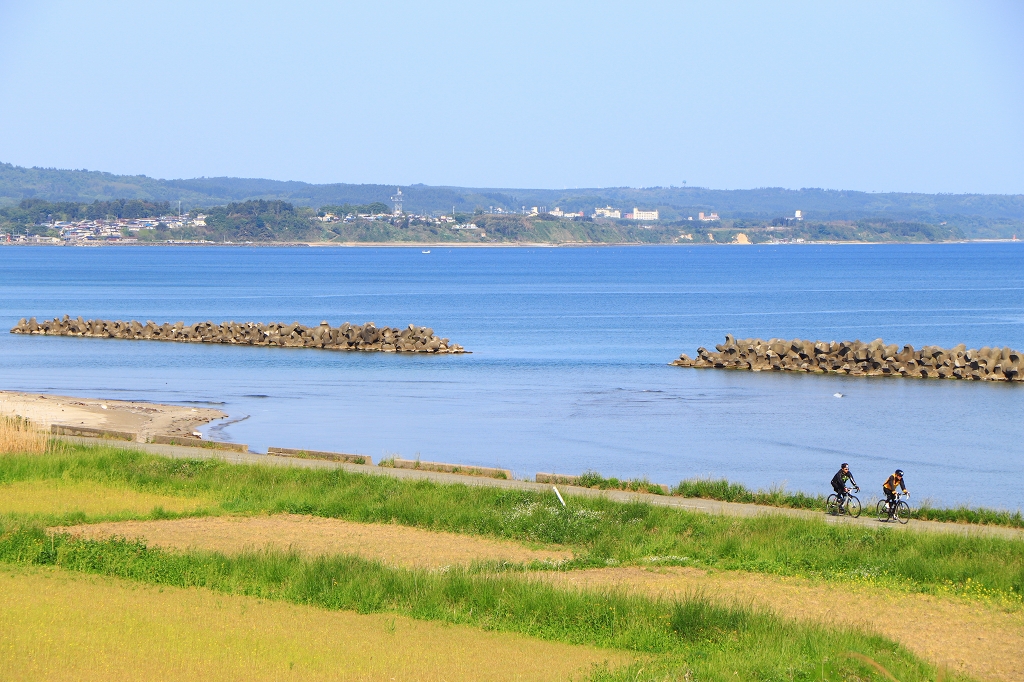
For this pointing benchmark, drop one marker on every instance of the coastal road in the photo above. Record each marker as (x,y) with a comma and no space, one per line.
(688,503)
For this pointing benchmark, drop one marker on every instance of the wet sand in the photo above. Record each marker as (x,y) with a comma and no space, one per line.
(145,419)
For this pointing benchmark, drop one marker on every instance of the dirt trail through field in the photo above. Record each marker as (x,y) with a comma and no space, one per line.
(313,535)
(981,640)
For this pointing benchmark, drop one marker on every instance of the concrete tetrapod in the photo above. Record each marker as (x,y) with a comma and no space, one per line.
(364,337)
(861,359)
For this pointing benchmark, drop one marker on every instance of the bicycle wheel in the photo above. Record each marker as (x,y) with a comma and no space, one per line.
(832,504)
(902,513)
(852,506)
(882,510)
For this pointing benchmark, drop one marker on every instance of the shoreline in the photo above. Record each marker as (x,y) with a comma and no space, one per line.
(506,245)
(157,419)
(146,419)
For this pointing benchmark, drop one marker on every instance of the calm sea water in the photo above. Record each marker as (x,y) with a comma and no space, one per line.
(570,349)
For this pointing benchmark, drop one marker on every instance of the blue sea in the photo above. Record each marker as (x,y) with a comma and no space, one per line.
(570,350)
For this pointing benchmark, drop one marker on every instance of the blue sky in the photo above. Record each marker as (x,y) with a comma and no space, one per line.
(876,96)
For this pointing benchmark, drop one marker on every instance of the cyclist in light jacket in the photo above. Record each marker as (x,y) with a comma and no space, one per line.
(889,487)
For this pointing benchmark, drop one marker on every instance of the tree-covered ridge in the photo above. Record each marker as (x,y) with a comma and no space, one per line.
(30,212)
(259,221)
(547,229)
(375,208)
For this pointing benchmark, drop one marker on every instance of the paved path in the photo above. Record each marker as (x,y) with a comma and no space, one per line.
(688,503)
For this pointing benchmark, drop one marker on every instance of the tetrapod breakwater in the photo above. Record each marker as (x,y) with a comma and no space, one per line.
(362,337)
(856,358)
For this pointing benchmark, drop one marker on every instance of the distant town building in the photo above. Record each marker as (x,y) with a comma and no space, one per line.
(799,215)
(644,215)
(559,213)
(708,217)
(607,212)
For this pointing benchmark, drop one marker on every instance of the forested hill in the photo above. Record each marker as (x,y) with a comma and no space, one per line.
(976,215)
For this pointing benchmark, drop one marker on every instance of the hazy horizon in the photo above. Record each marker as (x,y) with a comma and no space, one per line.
(522,188)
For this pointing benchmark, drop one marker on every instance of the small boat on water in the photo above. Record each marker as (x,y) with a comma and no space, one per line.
(426,251)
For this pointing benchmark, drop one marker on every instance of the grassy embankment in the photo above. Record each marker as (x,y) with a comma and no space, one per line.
(685,638)
(599,531)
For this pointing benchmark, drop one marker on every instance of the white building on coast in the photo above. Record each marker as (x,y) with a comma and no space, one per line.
(644,215)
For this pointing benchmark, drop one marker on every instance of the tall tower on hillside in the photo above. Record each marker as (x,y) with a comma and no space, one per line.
(397,198)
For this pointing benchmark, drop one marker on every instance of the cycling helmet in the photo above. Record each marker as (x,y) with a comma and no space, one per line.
(844,465)
(899,471)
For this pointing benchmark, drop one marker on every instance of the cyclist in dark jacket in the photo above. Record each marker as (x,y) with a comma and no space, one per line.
(839,483)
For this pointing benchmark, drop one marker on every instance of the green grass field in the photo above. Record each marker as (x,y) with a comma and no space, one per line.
(602,532)
(65,625)
(691,638)
(692,634)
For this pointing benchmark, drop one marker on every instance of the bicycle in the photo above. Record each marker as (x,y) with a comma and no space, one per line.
(898,511)
(849,506)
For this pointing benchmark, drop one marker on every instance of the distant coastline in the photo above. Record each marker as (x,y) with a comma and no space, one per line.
(492,245)
(41,204)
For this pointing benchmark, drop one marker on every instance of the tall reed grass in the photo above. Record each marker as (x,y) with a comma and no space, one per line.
(721,489)
(592,479)
(19,435)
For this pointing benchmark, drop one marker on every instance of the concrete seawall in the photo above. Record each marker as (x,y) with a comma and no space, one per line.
(364,337)
(861,359)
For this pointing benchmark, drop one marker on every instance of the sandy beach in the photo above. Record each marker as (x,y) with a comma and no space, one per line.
(145,419)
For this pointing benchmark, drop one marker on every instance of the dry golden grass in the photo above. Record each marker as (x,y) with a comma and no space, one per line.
(312,535)
(58,497)
(61,626)
(20,436)
(984,641)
